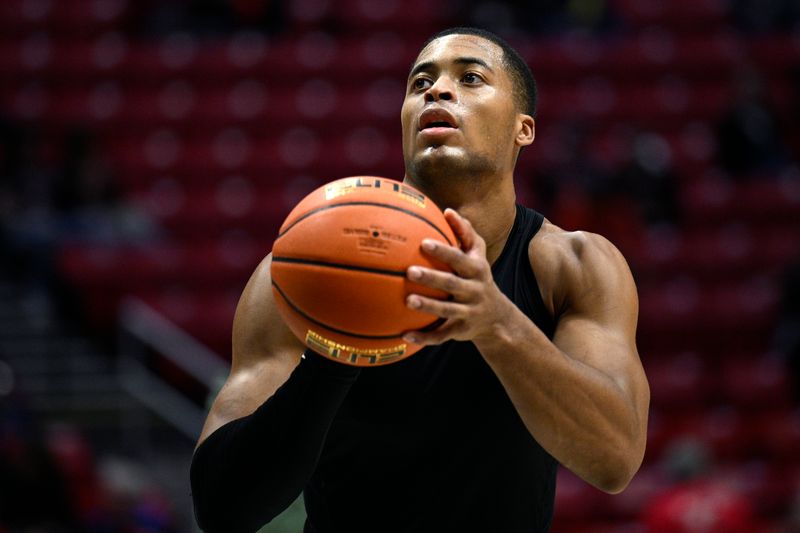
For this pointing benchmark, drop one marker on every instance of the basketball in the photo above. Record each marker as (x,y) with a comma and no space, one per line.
(339,268)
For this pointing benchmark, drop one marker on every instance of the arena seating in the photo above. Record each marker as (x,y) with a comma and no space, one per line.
(217,138)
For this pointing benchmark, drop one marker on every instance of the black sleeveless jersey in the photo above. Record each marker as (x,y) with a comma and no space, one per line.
(433,443)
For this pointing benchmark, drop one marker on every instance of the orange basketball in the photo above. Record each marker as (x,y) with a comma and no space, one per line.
(339,268)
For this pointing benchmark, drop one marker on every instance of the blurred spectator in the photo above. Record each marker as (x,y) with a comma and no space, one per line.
(702,506)
(792,523)
(648,178)
(792,118)
(33,493)
(91,206)
(54,191)
(562,181)
(748,136)
(547,17)
(264,15)
(591,16)
(787,332)
(762,16)
(27,170)
(132,502)
(51,483)
(696,503)
(615,182)
(205,18)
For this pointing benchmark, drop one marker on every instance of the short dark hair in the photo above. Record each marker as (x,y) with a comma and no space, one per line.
(525,92)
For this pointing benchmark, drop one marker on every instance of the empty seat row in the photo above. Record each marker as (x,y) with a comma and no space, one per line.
(648,54)
(258,101)
(728,248)
(73,18)
(764,199)
(689,382)
(297,144)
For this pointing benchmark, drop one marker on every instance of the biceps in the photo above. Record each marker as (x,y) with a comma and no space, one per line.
(611,351)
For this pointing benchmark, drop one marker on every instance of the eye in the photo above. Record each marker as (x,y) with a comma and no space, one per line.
(471,78)
(421,83)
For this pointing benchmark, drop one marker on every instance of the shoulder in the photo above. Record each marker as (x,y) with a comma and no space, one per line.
(258,330)
(575,266)
(572,250)
(264,353)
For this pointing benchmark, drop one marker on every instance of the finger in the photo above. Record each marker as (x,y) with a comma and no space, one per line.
(461,227)
(443,333)
(456,259)
(471,241)
(460,288)
(440,308)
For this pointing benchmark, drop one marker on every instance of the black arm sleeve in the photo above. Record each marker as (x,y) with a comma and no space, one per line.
(249,470)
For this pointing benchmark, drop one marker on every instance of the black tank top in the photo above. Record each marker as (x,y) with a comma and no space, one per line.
(433,443)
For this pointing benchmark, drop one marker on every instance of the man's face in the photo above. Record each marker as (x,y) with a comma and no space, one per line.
(459,112)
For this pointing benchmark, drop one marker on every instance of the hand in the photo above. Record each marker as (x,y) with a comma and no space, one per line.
(478,306)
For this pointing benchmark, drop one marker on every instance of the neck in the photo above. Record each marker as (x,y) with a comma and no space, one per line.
(488,205)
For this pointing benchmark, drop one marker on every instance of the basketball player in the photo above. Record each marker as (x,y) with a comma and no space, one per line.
(534,365)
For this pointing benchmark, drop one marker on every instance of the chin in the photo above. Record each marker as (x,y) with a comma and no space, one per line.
(442,162)
(434,162)
(442,154)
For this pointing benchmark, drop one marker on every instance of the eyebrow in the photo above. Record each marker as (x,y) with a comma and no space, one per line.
(428,65)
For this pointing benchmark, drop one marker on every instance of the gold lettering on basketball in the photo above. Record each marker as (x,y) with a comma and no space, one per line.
(350,185)
(335,350)
(407,193)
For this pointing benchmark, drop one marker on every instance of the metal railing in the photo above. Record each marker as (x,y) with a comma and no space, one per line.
(142,328)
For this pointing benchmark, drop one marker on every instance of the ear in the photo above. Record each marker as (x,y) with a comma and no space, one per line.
(526,130)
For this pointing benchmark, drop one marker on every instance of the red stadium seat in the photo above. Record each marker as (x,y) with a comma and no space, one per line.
(575,499)
(756,382)
(779,434)
(358,15)
(684,14)
(770,488)
(681,382)
(626,507)
(722,430)
(765,201)
(775,52)
(208,316)
(65,19)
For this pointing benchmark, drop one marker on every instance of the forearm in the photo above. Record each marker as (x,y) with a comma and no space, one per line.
(578,414)
(251,469)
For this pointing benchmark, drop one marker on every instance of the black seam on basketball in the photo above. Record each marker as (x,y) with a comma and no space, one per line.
(331,328)
(298,261)
(376,204)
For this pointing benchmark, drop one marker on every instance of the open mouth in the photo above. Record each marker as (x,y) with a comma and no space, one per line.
(436,118)
(438,124)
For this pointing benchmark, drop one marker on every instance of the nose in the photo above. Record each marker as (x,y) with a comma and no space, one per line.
(442,89)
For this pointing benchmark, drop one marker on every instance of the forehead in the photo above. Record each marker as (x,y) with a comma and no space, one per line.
(450,47)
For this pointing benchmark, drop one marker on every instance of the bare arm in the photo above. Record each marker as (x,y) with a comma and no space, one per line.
(264,353)
(267,428)
(583,395)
